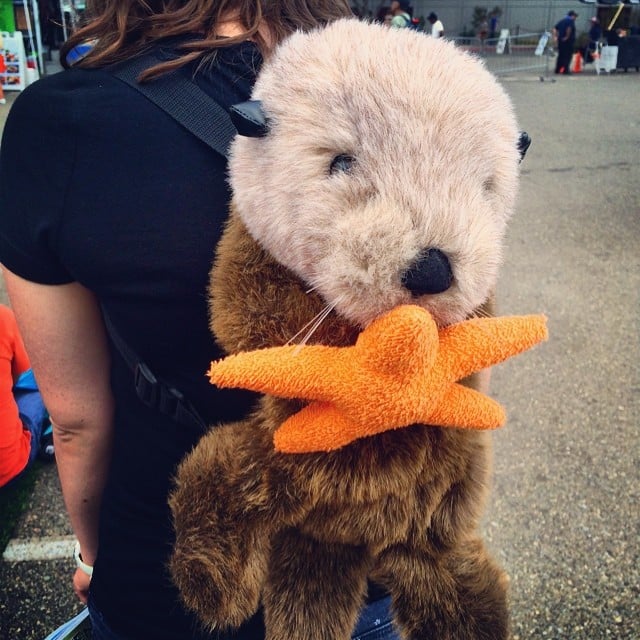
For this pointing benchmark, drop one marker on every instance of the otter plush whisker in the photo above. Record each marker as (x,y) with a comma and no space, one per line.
(313,324)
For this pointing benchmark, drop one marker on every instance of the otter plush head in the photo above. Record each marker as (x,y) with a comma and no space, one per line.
(376,168)
(387,171)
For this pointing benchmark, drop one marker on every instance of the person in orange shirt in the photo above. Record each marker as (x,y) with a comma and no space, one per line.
(3,69)
(23,417)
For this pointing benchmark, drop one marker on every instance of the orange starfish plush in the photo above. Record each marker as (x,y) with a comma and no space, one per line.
(401,371)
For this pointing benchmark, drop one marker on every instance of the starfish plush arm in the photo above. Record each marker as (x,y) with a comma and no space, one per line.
(401,371)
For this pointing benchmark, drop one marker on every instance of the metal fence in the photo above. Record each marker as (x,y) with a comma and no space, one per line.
(519,16)
(524,52)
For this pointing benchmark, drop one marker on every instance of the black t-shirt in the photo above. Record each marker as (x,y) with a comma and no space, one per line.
(100,186)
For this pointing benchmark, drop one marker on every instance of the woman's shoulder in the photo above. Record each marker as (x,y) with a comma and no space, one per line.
(70,84)
(78,101)
(241,62)
(69,98)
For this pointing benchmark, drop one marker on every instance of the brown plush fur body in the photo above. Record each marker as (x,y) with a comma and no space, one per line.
(302,533)
(435,165)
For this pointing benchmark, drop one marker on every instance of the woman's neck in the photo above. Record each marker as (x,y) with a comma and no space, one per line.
(229,27)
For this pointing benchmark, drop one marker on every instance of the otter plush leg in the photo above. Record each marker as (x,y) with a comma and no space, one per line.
(224,518)
(314,591)
(482,590)
(455,595)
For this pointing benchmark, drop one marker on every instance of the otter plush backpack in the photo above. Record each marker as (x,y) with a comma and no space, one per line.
(373,179)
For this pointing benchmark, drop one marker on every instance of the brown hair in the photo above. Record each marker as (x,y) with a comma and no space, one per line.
(124,28)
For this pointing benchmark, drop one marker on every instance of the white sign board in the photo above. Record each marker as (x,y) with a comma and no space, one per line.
(502,41)
(542,43)
(13,77)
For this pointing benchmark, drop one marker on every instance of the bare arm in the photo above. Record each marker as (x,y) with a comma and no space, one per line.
(64,335)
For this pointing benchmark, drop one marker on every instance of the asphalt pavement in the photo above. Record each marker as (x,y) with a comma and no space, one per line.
(563,518)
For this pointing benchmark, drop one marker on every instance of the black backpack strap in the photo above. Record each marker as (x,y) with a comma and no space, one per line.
(182,99)
(206,119)
(152,391)
(200,114)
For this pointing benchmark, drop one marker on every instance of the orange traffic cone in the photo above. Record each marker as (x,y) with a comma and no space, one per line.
(577,63)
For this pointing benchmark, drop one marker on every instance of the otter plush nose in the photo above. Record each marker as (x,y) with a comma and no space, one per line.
(429,273)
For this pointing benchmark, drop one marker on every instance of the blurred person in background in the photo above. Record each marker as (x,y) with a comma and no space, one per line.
(595,33)
(437,28)
(565,34)
(25,430)
(401,13)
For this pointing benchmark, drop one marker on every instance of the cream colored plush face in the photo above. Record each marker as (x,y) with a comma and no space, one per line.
(434,140)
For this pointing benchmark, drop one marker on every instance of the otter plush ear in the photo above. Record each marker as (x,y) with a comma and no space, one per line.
(249,119)
(524,142)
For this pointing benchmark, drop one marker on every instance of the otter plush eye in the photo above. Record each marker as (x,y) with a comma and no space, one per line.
(342,163)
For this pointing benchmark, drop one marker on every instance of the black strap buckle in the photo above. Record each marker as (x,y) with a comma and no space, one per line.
(156,394)
(146,385)
(159,396)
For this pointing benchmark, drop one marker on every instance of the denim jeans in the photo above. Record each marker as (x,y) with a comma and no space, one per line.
(34,416)
(34,419)
(374,624)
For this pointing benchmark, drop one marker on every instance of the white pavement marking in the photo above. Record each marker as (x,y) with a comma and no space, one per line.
(52,548)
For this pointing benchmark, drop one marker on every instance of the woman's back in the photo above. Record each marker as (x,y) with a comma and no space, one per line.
(107,190)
